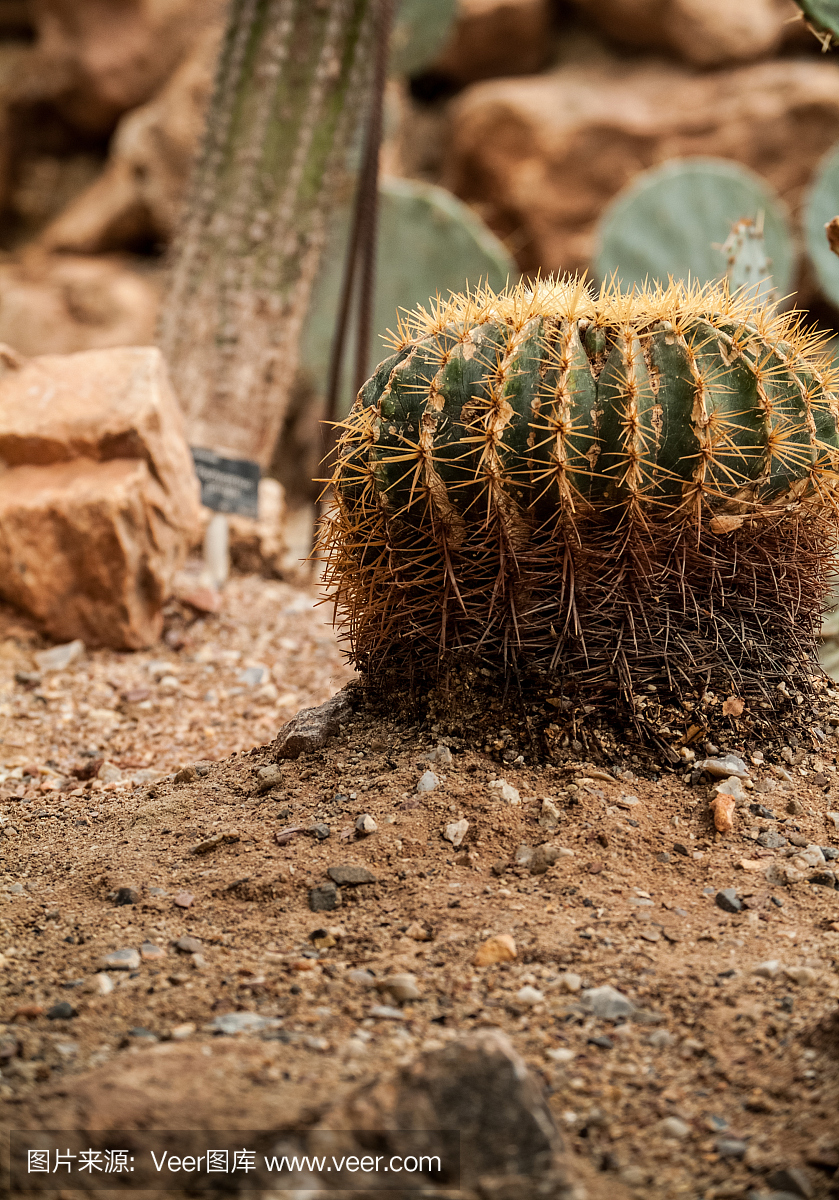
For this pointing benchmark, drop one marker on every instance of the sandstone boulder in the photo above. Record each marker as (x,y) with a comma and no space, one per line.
(96,59)
(541,157)
(704,32)
(496,37)
(98,496)
(61,304)
(139,194)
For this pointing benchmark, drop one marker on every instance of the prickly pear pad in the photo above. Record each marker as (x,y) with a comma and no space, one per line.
(613,492)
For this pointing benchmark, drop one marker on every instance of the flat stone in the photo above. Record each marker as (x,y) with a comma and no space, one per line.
(441,756)
(208,844)
(500,789)
(151,953)
(402,987)
(456,831)
(767,970)
(122,960)
(241,1022)
(348,875)
(497,949)
(268,777)
(528,996)
(61,1012)
(324,898)
(254,676)
(549,814)
(792,1180)
(728,1147)
(183,899)
(732,787)
(104,984)
(480,1085)
(569,981)
(724,768)
(58,658)
(674,1127)
(312,728)
(607,1003)
(771,840)
(728,901)
(543,859)
(188,945)
(803,976)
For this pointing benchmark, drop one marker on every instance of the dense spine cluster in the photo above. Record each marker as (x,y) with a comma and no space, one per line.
(613,492)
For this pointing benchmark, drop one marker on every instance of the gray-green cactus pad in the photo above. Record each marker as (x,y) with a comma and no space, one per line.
(672,221)
(823,206)
(430,244)
(419,34)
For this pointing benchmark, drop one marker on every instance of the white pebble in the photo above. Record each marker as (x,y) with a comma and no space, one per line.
(428,782)
(500,789)
(529,996)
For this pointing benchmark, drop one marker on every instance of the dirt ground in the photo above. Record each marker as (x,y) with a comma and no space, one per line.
(719,1077)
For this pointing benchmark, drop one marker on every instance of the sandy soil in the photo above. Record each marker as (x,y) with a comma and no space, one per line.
(720,1077)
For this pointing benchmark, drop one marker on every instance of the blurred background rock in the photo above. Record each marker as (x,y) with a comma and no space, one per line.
(534,112)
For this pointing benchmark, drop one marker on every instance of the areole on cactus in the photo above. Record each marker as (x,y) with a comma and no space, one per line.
(612,492)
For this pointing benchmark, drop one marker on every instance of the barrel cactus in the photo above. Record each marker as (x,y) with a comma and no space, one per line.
(607,493)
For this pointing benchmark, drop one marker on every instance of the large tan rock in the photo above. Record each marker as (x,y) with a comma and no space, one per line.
(705,32)
(60,304)
(540,158)
(497,37)
(96,59)
(99,502)
(138,196)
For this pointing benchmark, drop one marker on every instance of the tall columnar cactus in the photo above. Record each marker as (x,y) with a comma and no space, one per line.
(290,88)
(611,492)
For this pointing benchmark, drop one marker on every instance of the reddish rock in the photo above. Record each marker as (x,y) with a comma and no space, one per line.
(96,59)
(61,304)
(98,495)
(705,32)
(541,157)
(139,194)
(497,37)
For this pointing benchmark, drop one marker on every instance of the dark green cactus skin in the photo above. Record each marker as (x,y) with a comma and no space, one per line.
(620,501)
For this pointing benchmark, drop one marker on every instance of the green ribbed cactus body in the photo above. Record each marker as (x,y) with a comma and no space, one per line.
(573,486)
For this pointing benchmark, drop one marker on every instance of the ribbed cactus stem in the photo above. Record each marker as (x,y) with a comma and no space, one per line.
(290,91)
(619,491)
